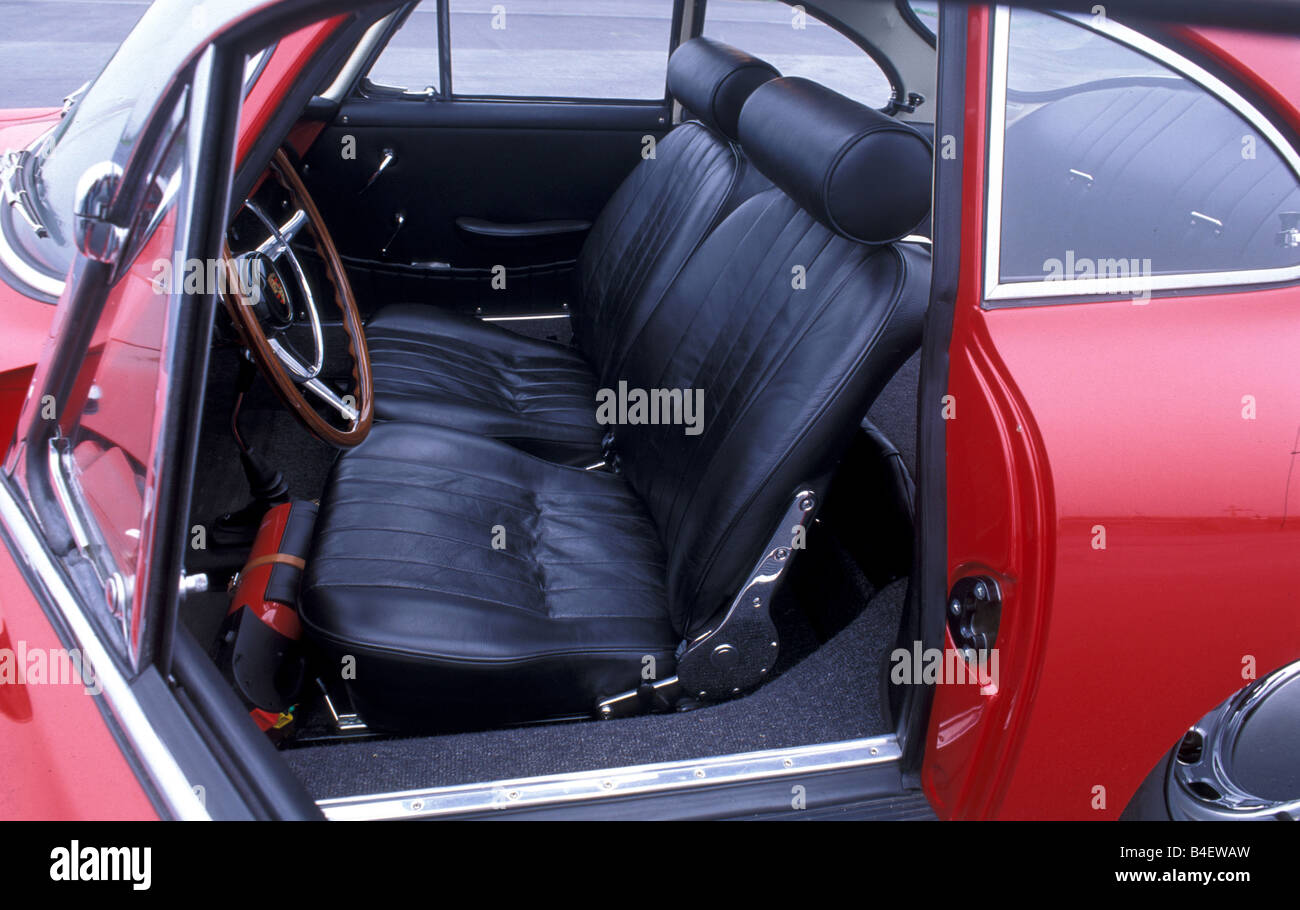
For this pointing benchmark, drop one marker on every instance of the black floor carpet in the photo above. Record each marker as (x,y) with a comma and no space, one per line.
(833,694)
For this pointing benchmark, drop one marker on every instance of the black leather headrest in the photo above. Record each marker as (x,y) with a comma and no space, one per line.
(864,175)
(712,81)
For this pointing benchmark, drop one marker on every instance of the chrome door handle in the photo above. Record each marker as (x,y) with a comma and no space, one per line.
(399,219)
(388,158)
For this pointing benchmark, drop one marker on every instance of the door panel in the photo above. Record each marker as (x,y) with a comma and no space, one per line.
(509,163)
(1123,467)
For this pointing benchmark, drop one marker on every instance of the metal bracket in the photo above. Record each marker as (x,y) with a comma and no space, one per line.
(650,698)
(741,649)
(347,722)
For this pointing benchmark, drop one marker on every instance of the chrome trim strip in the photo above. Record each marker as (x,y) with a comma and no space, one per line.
(634,780)
(524,318)
(61,467)
(163,770)
(995,290)
(348,74)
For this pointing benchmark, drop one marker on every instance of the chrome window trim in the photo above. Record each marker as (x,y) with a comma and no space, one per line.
(606,783)
(357,61)
(996,290)
(164,772)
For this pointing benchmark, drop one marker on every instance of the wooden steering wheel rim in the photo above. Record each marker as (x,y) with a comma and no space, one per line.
(254,336)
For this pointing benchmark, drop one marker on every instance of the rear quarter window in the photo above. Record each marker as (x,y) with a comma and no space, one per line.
(1115,163)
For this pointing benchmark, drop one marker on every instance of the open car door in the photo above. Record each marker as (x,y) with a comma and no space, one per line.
(1116,437)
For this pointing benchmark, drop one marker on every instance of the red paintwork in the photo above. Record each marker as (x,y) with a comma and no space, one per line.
(1130,417)
(60,761)
(59,758)
(251,590)
(27,321)
(1068,416)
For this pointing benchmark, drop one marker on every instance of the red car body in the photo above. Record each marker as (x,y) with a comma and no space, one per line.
(1201,510)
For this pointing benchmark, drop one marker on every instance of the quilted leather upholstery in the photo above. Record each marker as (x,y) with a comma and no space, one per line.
(790,330)
(787,375)
(436,367)
(404,577)
(654,221)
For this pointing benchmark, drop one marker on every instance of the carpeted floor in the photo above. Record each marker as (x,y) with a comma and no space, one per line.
(833,694)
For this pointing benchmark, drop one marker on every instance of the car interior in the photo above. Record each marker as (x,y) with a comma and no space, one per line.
(460,519)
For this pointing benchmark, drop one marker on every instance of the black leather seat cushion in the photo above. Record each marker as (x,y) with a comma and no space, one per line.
(431,366)
(404,577)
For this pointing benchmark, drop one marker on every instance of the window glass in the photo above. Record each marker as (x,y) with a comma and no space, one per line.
(109,427)
(798,44)
(409,62)
(615,49)
(927,13)
(1116,165)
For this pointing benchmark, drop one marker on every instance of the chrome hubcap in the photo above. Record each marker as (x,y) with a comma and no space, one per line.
(1240,760)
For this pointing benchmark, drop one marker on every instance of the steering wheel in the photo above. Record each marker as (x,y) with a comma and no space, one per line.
(258,299)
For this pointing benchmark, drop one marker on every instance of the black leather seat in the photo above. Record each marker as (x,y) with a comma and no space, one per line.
(600,574)
(434,366)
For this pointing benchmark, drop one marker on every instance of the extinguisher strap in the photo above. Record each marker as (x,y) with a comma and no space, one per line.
(285,559)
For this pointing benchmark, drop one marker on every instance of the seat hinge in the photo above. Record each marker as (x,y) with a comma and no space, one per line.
(741,649)
(649,698)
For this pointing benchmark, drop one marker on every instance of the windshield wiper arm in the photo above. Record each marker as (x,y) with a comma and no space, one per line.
(13,180)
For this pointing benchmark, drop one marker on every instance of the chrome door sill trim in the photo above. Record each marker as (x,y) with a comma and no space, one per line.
(633,780)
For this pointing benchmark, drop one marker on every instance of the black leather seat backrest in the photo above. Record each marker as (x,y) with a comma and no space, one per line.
(669,202)
(790,317)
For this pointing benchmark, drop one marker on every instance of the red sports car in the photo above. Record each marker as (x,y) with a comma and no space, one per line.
(659,409)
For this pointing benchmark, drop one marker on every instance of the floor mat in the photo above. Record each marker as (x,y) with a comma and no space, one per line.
(833,694)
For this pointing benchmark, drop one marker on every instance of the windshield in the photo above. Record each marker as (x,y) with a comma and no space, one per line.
(101,125)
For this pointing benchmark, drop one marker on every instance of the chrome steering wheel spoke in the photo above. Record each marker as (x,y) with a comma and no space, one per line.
(277,245)
(304,377)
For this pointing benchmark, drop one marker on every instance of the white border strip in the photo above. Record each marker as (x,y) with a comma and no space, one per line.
(634,780)
(166,775)
(994,289)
